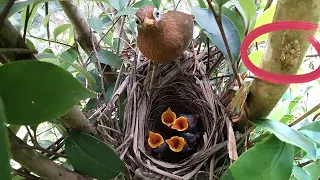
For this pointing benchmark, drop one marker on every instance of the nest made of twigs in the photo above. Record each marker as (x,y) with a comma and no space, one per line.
(149,94)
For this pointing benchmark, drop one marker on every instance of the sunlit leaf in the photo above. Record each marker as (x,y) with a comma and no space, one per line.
(270,159)
(43,92)
(313,170)
(84,152)
(4,148)
(60,29)
(299,173)
(287,118)
(206,20)
(265,18)
(294,102)
(109,58)
(236,19)
(256,57)
(247,9)
(202,4)
(287,134)
(312,131)
(279,111)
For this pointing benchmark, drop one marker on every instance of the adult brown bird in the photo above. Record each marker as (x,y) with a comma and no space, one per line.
(163,37)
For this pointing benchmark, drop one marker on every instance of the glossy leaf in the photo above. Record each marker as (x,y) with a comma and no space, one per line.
(118,4)
(46,19)
(299,173)
(156,3)
(256,57)
(96,24)
(236,19)
(265,18)
(126,12)
(84,152)
(247,9)
(279,111)
(206,20)
(43,92)
(313,170)
(286,118)
(202,4)
(142,3)
(4,148)
(312,131)
(288,135)
(294,102)
(60,29)
(109,58)
(270,159)
(221,2)
(68,56)
(20,5)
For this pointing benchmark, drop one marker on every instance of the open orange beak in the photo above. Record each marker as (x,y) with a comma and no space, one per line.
(180,124)
(168,117)
(176,143)
(155,139)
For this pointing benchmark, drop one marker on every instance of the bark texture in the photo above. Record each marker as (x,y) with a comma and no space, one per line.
(284,54)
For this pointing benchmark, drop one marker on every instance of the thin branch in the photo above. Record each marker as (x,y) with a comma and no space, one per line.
(49,40)
(26,24)
(225,42)
(5,12)
(305,115)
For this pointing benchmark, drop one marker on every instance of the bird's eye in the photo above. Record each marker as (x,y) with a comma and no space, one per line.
(156,14)
(138,21)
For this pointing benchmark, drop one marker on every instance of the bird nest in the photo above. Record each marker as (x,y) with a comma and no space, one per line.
(150,91)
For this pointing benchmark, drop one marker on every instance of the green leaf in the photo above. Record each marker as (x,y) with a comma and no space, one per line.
(265,18)
(68,56)
(256,57)
(299,173)
(30,44)
(33,9)
(236,19)
(47,57)
(60,29)
(4,148)
(142,3)
(313,171)
(107,21)
(221,2)
(279,111)
(109,58)
(43,92)
(286,118)
(294,103)
(85,73)
(46,19)
(156,3)
(126,12)
(312,131)
(206,20)
(118,4)
(84,152)
(270,159)
(202,4)
(20,5)
(247,9)
(287,134)
(96,24)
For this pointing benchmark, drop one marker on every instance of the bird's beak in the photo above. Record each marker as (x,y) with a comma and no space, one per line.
(147,22)
(155,139)
(180,124)
(176,143)
(168,117)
